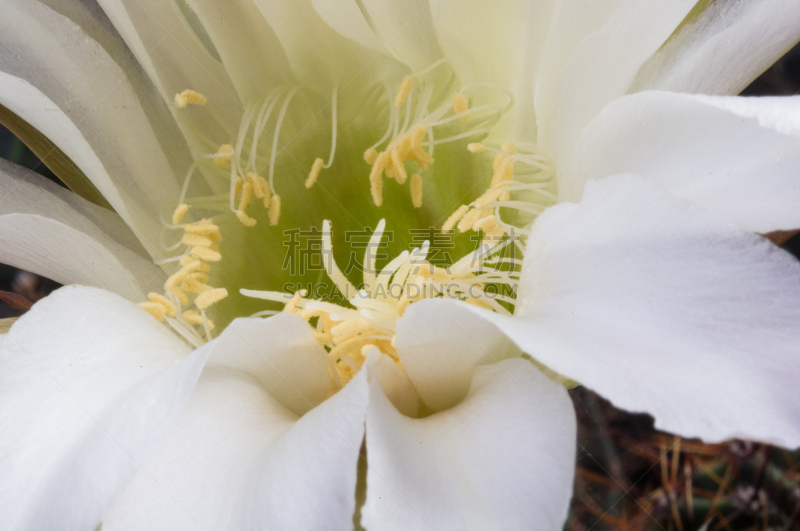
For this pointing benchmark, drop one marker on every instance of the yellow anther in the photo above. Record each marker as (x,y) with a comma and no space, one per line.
(206,254)
(177,215)
(169,307)
(403,91)
(192,317)
(255,181)
(247,195)
(376,187)
(237,186)
(418,134)
(181,274)
(207,298)
(416,190)
(206,227)
(486,224)
(469,220)
(314,174)
(266,192)
(223,154)
(509,148)
(455,217)
(190,263)
(476,147)
(503,172)
(274,210)
(190,285)
(154,309)
(178,294)
(400,173)
(198,276)
(246,220)
(490,195)
(196,240)
(460,104)
(189,96)
(371,155)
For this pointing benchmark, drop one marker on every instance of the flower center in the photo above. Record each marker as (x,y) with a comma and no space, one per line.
(450,218)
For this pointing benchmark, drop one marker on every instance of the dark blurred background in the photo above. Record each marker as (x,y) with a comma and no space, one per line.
(629,476)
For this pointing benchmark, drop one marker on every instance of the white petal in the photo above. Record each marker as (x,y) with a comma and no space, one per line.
(440,343)
(50,231)
(401,29)
(660,307)
(604,64)
(319,56)
(739,157)
(237,460)
(248,47)
(177,56)
(63,83)
(501,459)
(88,381)
(282,353)
(573,21)
(496,42)
(724,49)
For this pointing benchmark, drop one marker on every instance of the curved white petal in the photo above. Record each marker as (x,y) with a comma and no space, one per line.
(401,29)
(94,118)
(236,459)
(739,157)
(573,21)
(496,42)
(252,54)
(52,232)
(501,459)
(319,56)
(604,64)
(175,58)
(283,354)
(660,307)
(89,380)
(724,49)
(440,343)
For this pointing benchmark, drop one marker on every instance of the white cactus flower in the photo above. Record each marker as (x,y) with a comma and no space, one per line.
(592,152)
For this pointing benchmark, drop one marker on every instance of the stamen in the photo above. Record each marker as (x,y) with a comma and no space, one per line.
(206,254)
(274,209)
(416,190)
(207,298)
(223,155)
(476,147)
(454,218)
(403,91)
(192,317)
(169,308)
(181,211)
(189,96)
(314,174)
(461,105)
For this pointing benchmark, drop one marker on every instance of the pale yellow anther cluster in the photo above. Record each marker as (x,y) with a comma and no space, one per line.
(253,185)
(201,239)
(391,162)
(188,97)
(478,215)
(249,186)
